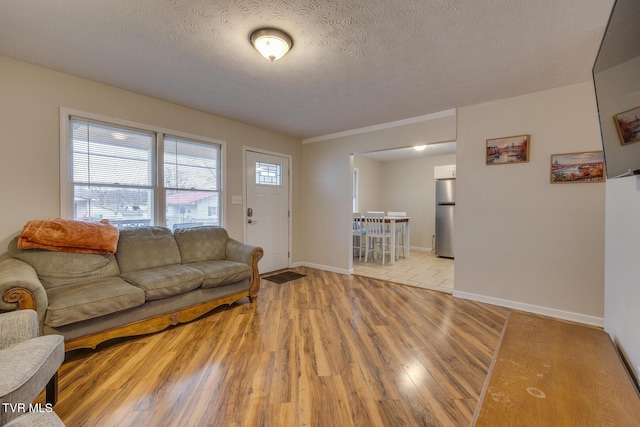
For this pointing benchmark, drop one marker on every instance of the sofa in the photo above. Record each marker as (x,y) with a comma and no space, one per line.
(156,278)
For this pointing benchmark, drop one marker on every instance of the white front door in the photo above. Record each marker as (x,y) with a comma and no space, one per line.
(267,208)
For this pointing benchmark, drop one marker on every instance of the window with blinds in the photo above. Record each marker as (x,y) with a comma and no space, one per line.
(191,183)
(136,177)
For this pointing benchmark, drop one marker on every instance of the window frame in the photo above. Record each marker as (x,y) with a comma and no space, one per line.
(159,215)
(355,194)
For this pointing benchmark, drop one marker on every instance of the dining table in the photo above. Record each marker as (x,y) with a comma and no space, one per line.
(393,222)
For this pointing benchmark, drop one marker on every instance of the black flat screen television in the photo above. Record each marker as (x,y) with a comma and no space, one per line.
(616,77)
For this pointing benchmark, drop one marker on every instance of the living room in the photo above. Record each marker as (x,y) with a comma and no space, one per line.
(565,251)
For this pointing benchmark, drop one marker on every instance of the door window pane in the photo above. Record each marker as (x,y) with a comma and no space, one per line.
(268,173)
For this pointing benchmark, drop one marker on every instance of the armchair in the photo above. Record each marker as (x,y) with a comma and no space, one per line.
(28,364)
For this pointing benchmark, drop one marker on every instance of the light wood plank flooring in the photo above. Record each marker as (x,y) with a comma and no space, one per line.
(423,269)
(323,350)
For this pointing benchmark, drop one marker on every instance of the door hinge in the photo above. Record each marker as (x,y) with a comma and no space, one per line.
(288,254)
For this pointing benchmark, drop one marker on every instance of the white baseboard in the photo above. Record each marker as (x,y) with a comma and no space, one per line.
(420,248)
(536,309)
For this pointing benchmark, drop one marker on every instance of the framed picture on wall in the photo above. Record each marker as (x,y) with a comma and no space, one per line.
(577,167)
(628,125)
(510,149)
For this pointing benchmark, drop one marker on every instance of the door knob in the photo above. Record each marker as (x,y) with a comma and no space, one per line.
(251,221)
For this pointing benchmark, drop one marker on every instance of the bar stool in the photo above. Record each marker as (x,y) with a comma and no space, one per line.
(401,228)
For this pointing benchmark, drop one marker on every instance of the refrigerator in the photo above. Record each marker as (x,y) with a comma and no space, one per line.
(445,205)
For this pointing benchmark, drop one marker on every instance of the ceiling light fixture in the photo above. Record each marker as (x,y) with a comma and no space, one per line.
(419,147)
(271,43)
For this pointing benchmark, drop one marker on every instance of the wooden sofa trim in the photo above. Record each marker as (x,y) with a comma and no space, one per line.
(255,283)
(152,324)
(26,300)
(22,296)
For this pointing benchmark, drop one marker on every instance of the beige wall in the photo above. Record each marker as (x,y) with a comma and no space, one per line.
(409,185)
(518,237)
(327,204)
(29,141)
(403,185)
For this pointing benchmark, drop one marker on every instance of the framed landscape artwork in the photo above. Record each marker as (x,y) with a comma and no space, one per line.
(628,125)
(510,149)
(577,167)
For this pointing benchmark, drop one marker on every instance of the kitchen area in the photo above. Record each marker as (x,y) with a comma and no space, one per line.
(405,180)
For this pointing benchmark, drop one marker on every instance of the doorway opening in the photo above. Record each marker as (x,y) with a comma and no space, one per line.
(403,180)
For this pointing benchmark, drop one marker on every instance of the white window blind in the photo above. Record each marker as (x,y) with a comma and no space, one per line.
(111,172)
(192,182)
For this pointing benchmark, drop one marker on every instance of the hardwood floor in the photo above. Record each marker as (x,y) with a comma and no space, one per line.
(323,350)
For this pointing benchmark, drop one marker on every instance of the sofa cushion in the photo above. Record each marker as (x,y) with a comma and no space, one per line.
(95,298)
(63,268)
(222,272)
(166,281)
(201,243)
(146,247)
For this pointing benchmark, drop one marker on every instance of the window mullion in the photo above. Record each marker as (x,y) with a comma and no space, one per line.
(159,191)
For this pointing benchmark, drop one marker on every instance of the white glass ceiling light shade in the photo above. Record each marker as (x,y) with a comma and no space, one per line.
(271,43)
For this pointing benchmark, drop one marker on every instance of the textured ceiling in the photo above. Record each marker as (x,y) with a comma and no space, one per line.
(354,63)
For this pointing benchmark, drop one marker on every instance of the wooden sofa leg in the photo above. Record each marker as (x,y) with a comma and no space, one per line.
(52,390)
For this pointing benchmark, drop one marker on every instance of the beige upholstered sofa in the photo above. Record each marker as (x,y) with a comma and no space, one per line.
(155,279)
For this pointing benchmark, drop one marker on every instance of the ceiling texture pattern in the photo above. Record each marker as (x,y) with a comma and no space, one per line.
(354,63)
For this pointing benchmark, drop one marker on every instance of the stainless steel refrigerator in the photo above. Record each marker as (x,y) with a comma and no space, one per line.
(445,205)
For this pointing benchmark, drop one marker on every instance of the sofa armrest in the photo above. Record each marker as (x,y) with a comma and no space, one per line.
(21,289)
(250,255)
(241,252)
(17,326)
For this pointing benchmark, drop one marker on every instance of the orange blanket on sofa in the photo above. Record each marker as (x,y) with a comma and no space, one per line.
(66,235)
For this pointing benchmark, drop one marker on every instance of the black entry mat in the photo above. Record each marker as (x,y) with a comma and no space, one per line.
(285,276)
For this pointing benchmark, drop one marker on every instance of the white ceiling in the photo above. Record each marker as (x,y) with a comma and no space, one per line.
(354,63)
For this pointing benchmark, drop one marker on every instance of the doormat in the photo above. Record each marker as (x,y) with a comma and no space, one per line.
(283,277)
